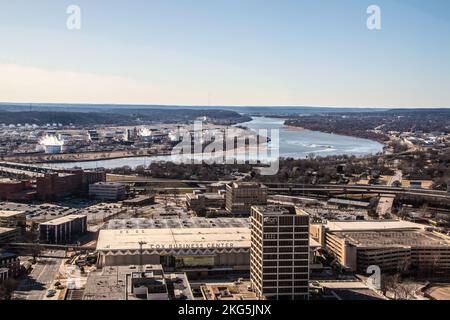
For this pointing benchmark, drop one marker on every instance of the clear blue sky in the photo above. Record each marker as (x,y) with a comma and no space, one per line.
(227,52)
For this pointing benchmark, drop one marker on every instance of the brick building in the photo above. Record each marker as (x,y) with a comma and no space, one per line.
(15,190)
(11,262)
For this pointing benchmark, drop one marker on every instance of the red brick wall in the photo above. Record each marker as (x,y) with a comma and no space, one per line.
(54,185)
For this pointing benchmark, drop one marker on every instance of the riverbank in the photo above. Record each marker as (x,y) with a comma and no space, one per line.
(347,130)
(81,157)
(293,128)
(293,142)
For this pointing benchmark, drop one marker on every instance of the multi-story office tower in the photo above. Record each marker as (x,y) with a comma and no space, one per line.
(279,254)
(241,196)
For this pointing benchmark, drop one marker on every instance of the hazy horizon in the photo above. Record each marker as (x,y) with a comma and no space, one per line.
(56,104)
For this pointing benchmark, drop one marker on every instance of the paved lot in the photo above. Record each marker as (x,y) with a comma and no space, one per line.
(35,285)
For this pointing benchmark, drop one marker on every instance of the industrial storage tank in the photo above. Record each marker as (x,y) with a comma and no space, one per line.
(51,144)
(52,149)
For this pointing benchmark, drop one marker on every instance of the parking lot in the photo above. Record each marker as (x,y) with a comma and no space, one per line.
(142,223)
(95,211)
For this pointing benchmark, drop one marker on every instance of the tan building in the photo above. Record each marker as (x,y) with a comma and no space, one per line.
(202,201)
(391,245)
(228,291)
(241,196)
(279,258)
(13,219)
(110,191)
(147,282)
(195,250)
(8,235)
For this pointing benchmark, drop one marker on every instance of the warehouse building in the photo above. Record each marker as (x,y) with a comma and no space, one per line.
(63,230)
(200,250)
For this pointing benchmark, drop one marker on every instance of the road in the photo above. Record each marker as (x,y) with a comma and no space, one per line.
(385,206)
(35,285)
(397,177)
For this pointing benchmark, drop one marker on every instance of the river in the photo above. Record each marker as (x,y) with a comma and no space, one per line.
(293,143)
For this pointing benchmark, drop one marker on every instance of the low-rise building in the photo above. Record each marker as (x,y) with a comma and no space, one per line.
(140,201)
(13,219)
(63,230)
(148,282)
(394,246)
(345,290)
(202,201)
(241,196)
(228,291)
(204,250)
(8,234)
(110,191)
(11,262)
(4,274)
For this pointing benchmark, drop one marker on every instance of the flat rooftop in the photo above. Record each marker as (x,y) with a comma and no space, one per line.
(8,180)
(6,230)
(212,196)
(347,290)
(9,214)
(349,202)
(140,198)
(372,225)
(178,238)
(407,238)
(228,291)
(65,219)
(248,185)
(109,284)
(174,238)
(142,223)
(108,184)
(279,210)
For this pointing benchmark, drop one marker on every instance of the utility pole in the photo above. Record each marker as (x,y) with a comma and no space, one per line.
(141,243)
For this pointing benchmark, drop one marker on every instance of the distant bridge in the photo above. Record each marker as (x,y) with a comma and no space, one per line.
(293,189)
(433,196)
(31,170)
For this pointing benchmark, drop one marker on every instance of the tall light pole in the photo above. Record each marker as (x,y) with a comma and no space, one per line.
(141,243)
